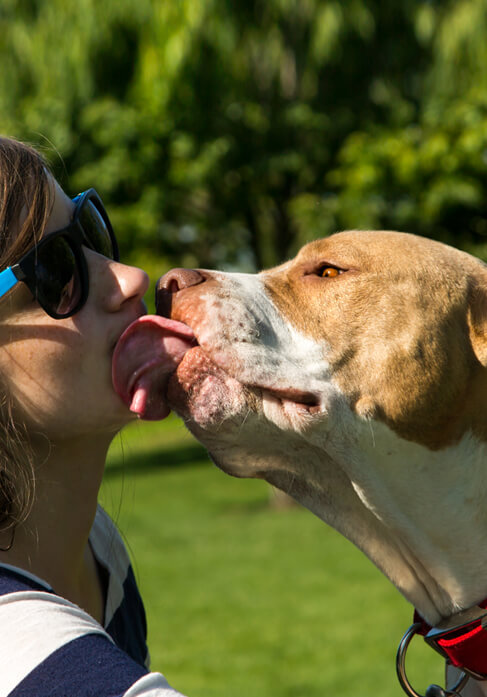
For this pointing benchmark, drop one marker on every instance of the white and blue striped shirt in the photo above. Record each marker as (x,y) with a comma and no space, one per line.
(49,647)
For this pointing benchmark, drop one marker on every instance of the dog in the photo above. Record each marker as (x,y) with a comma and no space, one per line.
(354,378)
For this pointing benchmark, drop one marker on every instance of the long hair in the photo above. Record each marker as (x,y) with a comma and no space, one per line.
(25,204)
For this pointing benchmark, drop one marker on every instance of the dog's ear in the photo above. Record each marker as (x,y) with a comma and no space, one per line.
(477,318)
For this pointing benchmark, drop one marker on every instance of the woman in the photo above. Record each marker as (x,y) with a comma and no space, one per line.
(71,618)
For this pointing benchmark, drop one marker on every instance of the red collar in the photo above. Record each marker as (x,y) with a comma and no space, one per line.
(461,639)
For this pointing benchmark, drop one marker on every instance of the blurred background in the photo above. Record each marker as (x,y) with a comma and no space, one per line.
(228,134)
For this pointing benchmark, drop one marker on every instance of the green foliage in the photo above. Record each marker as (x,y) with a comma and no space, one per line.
(230,133)
(429,179)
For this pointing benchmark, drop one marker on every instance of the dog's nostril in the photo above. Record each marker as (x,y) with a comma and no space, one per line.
(178,279)
(172,286)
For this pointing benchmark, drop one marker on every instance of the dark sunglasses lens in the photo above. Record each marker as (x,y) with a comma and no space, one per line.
(58,283)
(95,229)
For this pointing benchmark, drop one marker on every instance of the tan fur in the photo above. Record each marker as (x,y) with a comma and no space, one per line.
(400,319)
(406,325)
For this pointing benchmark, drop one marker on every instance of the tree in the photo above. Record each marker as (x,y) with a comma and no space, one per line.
(427,175)
(261,105)
(229,134)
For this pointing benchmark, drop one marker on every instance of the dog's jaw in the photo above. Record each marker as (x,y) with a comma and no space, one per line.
(368,468)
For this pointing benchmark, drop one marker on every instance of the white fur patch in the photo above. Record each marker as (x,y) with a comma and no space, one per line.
(428,501)
(245,326)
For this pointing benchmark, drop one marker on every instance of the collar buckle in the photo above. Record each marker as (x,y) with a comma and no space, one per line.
(462,640)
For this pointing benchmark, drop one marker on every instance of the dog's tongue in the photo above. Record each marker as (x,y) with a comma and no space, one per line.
(146,354)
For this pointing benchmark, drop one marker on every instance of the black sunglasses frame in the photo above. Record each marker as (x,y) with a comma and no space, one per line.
(25,269)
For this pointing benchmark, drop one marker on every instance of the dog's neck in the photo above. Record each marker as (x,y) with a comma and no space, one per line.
(419,515)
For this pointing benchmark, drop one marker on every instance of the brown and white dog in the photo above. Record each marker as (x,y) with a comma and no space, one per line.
(353,378)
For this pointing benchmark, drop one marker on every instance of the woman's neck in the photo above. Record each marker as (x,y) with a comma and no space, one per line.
(52,542)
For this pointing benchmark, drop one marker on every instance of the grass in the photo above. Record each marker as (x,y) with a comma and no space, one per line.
(243,599)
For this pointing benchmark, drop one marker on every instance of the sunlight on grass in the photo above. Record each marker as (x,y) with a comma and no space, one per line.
(244,600)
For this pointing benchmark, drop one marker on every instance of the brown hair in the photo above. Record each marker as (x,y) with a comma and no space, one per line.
(25,205)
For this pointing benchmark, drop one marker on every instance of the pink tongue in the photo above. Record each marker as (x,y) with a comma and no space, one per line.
(146,354)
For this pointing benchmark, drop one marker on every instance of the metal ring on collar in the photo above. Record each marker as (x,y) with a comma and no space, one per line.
(401,670)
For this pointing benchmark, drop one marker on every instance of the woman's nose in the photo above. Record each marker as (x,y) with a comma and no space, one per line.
(128,284)
(172,282)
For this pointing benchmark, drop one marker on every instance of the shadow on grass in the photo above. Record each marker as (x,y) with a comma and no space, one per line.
(177,456)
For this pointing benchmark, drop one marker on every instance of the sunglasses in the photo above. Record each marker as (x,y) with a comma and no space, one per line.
(55,270)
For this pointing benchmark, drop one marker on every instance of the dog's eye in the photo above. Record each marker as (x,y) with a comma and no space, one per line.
(329,271)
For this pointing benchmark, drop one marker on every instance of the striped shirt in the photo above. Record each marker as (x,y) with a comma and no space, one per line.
(49,647)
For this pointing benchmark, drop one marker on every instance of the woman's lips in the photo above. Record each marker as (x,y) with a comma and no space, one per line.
(145,356)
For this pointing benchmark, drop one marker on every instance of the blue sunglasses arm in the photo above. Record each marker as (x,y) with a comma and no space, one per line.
(7,280)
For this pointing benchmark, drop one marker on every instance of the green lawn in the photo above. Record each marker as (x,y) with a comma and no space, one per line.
(244,600)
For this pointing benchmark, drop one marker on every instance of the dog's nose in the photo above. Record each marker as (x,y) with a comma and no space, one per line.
(172,282)
(177,279)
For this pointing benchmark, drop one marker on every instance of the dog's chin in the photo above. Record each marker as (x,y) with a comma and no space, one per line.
(210,400)
(205,395)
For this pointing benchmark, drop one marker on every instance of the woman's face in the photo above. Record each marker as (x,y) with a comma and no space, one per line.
(59,371)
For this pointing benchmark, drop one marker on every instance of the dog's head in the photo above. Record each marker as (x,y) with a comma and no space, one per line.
(378,326)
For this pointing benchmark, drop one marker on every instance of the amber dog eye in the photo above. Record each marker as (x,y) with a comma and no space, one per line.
(329,271)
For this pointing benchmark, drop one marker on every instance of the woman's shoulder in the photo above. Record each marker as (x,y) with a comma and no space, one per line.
(51,648)
(47,641)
